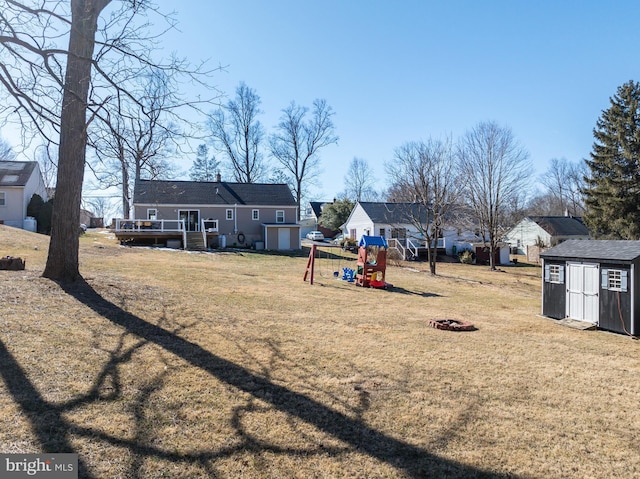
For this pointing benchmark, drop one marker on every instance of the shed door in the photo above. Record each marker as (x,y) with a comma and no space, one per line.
(582,292)
(284,238)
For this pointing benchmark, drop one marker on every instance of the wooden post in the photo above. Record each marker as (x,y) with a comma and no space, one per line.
(310,264)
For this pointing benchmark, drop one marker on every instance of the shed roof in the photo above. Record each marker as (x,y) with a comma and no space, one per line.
(212,193)
(561,225)
(612,250)
(16,173)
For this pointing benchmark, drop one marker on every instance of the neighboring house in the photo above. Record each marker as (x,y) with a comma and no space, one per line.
(19,181)
(311,217)
(596,281)
(393,221)
(544,231)
(224,214)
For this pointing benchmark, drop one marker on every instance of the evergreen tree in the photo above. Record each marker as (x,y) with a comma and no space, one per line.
(612,192)
(336,214)
(204,168)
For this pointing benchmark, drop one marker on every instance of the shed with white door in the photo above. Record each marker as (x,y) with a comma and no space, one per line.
(593,281)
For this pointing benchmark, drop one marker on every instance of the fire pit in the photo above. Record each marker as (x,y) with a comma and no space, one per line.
(451,325)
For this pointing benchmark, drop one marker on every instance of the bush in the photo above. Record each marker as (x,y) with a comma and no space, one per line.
(42,212)
(466,256)
(349,244)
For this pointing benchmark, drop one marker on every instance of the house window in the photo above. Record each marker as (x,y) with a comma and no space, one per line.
(614,280)
(230,214)
(279,216)
(382,232)
(399,233)
(152,214)
(554,273)
(255,215)
(3,198)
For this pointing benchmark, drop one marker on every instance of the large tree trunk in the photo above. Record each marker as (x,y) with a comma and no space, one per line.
(62,262)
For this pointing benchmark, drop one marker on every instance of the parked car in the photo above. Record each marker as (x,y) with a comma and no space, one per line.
(338,239)
(315,236)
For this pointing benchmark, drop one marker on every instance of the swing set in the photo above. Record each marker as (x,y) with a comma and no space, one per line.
(370,267)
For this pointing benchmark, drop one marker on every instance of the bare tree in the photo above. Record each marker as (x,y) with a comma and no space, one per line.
(47,157)
(57,90)
(101,206)
(238,134)
(427,172)
(495,169)
(6,152)
(359,182)
(564,181)
(136,137)
(297,142)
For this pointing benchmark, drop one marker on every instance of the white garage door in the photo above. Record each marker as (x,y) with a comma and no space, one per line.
(284,238)
(582,292)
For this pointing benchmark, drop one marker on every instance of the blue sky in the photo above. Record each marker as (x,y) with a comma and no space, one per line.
(404,70)
(409,70)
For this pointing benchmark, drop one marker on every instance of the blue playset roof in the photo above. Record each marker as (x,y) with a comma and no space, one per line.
(373,241)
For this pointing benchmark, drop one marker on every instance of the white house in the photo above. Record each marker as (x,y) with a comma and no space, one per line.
(19,181)
(396,221)
(545,231)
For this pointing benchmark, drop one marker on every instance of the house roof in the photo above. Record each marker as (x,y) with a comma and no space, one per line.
(16,173)
(391,212)
(211,193)
(561,225)
(614,250)
(316,207)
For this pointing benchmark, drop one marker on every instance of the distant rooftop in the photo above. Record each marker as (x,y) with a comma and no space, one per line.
(16,173)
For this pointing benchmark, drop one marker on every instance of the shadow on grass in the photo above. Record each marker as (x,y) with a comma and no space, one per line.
(43,416)
(47,419)
(422,294)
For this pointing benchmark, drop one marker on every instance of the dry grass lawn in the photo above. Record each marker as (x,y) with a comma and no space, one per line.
(174,364)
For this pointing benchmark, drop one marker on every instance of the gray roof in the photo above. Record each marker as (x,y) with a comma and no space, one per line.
(561,225)
(612,250)
(159,192)
(391,212)
(316,207)
(16,173)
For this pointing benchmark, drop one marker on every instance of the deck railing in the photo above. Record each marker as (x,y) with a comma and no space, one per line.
(149,225)
(405,246)
(208,226)
(152,226)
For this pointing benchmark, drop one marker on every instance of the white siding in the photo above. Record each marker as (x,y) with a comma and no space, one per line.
(360,222)
(527,233)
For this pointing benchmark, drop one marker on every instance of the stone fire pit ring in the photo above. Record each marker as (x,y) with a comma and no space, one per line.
(451,325)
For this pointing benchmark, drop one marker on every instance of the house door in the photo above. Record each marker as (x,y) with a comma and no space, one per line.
(284,238)
(191,219)
(582,292)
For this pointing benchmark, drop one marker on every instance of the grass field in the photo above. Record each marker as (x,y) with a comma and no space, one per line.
(186,365)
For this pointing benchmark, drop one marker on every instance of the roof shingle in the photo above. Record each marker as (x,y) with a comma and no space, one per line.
(613,250)
(211,193)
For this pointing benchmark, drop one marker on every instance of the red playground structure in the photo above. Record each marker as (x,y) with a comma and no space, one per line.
(372,263)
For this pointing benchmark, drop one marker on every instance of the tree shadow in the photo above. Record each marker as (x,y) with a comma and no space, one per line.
(43,416)
(422,294)
(263,394)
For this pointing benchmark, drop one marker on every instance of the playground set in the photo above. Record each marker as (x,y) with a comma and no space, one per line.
(370,268)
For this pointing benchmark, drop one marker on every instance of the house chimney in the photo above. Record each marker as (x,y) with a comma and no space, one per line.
(218,177)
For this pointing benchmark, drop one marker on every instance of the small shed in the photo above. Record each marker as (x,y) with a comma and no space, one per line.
(594,281)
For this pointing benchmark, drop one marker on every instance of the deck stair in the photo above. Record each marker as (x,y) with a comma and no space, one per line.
(195,241)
